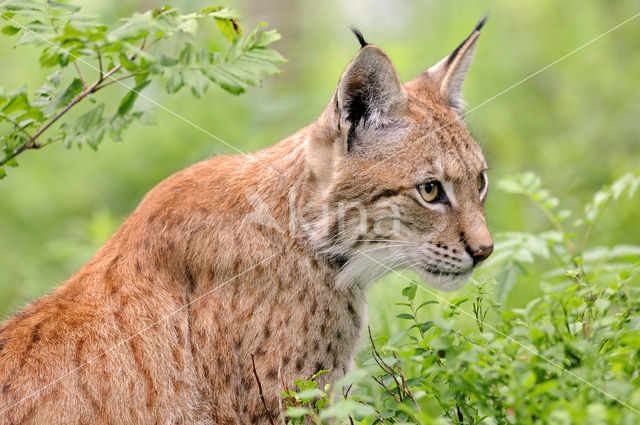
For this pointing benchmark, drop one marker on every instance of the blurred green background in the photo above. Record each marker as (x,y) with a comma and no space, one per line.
(576,123)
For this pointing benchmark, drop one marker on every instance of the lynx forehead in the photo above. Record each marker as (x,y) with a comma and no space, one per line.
(161,325)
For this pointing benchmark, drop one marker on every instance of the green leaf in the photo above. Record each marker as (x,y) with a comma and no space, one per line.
(245,65)
(410,291)
(167,61)
(457,302)
(221,12)
(353,377)
(307,395)
(345,408)
(405,316)
(10,30)
(32,115)
(65,97)
(68,8)
(267,37)
(227,79)
(141,78)
(175,81)
(55,79)
(189,26)
(507,279)
(127,64)
(130,98)
(229,28)
(23,5)
(89,119)
(395,338)
(197,82)
(18,102)
(297,412)
(425,304)
(602,198)
(426,326)
(136,27)
(3,173)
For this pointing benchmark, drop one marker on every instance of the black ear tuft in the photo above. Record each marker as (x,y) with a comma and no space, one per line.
(359,36)
(478,27)
(481,23)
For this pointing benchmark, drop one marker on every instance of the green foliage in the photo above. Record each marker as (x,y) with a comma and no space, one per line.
(567,243)
(569,356)
(138,49)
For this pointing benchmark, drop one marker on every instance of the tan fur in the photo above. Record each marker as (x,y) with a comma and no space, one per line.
(265,255)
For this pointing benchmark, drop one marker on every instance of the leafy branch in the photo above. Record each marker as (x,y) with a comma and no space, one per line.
(575,260)
(137,49)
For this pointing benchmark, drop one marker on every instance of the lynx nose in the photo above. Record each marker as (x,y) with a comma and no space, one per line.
(481,254)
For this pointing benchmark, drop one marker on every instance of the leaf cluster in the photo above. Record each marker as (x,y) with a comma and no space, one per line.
(160,44)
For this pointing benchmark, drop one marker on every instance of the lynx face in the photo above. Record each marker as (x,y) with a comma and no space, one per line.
(404,181)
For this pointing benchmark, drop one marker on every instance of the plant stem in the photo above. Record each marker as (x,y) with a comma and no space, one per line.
(567,242)
(404,382)
(12,121)
(32,144)
(264,403)
(115,80)
(587,235)
(99,54)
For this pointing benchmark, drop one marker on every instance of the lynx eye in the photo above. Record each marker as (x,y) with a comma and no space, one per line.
(430,191)
(482,181)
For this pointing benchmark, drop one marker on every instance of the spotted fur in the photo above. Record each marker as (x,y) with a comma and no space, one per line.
(267,255)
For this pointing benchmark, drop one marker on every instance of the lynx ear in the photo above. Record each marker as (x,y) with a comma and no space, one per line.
(450,72)
(369,92)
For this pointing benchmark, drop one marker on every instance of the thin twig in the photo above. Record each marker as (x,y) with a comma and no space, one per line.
(346,393)
(375,353)
(117,80)
(14,122)
(404,382)
(32,144)
(264,403)
(443,407)
(99,54)
(377,414)
(381,362)
(380,419)
(379,381)
(84,84)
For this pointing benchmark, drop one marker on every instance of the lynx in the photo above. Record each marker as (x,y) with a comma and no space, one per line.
(265,257)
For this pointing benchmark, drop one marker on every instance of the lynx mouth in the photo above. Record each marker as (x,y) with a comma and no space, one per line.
(446,272)
(446,280)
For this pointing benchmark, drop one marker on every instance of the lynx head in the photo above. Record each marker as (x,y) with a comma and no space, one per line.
(401,180)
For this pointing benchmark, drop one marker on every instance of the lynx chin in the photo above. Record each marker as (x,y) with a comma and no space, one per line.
(267,255)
